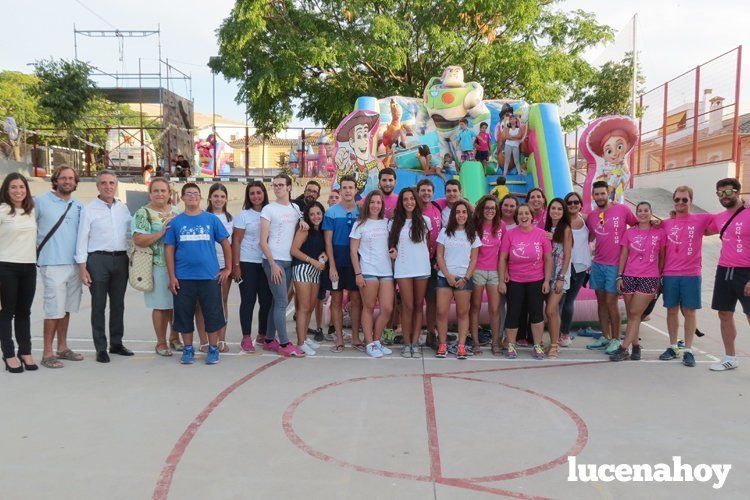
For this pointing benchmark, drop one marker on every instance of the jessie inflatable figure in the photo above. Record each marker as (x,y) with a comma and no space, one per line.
(610,141)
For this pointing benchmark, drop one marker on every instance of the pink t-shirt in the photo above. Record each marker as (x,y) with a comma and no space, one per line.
(390,204)
(684,243)
(540,219)
(526,252)
(433,213)
(608,227)
(643,251)
(483,141)
(490,249)
(735,245)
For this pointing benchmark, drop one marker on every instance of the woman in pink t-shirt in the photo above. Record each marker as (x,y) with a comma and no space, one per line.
(490,229)
(557,225)
(538,204)
(525,270)
(639,275)
(508,207)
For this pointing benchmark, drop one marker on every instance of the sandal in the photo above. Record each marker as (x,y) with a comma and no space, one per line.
(496,351)
(69,355)
(222,346)
(203,348)
(51,362)
(552,351)
(176,345)
(164,351)
(337,348)
(359,347)
(476,350)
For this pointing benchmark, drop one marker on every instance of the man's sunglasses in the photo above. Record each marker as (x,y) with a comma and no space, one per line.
(725,192)
(681,200)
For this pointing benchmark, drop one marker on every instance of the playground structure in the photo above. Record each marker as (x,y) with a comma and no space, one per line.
(302,159)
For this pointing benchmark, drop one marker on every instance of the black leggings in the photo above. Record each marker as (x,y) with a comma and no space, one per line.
(254,286)
(17,288)
(528,295)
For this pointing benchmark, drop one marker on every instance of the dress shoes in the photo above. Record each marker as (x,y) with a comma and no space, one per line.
(102,357)
(121,350)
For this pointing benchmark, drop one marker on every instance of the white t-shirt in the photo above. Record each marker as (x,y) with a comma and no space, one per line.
(457,251)
(250,251)
(413,259)
(373,247)
(229,226)
(283,219)
(446,215)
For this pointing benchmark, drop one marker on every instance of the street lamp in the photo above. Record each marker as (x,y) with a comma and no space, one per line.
(214,61)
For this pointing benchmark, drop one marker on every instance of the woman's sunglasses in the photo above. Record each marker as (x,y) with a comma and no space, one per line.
(573,202)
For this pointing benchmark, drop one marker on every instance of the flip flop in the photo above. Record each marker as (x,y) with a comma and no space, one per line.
(359,347)
(51,362)
(69,355)
(222,346)
(337,348)
(176,345)
(164,351)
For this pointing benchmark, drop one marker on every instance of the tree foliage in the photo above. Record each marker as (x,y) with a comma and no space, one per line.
(63,90)
(609,89)
(322,54)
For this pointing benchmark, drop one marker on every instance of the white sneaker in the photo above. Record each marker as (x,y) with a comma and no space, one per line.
(372,350)
(726,364)
(382,348)
(309,351)
(312,343)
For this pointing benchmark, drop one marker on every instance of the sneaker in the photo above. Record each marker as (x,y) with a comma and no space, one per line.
(406,351)
(442,350)
(312,344)
(725,364)
(188,355)
(511,352)
(635,353)
(389,336)
(469,350)
(307,349)
(416,351)
(688,359)
(522,343)
(565,340)
(621,354)
(600,343)
(319,337)
(247,344)
(668,354)
(290,350)
(272,346)
(461,351)
(613,346)
(331,334)
(373,351)
(538,352)
(382,348)
(432,340)
(213,355)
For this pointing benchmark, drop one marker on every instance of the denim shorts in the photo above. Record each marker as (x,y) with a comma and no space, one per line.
(603,277)
(370,277)
(443,283)
(682,291)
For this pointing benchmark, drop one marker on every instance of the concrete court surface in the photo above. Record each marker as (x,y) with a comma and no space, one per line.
(347,426)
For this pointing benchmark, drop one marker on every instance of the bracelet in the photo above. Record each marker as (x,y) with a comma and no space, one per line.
(560,278)
(358,274)
(619,277)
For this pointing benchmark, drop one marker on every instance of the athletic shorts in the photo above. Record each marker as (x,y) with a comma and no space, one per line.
(467,155)
(603,277)
(483,278)
(347,280)
(528,295)
(443,283)
(62,290)
(207,293)
(682,291)
(633,284)
(482,155)
(729,287)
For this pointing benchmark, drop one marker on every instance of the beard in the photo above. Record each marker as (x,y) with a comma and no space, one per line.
(387,191)
(729,203)
(601,203)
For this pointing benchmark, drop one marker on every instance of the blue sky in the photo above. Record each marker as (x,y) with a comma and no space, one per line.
(674,36)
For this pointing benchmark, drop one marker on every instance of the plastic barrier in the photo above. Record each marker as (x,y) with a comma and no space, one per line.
(473,181)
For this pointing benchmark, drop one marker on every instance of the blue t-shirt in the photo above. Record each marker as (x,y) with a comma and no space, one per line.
(60,249)
(193,237)
(466,139)
(338,220)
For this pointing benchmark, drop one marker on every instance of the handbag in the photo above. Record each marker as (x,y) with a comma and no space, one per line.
(141,268)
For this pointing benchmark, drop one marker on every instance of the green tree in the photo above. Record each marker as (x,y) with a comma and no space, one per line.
(64,90)
(323,54)
(608,91)
(18,100)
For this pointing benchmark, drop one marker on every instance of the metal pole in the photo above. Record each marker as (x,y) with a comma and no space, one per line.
(736,127)
(303,155)
(635,68)
(247,149)
(213,107)
(664,129)
(640,140)
(140,112)
(696,112)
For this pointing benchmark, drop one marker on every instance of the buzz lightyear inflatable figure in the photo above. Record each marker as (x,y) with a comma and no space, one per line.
(447,100)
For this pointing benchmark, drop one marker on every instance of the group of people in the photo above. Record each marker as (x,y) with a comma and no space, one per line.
(403,258)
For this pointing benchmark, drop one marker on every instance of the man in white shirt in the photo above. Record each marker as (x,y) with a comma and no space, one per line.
(101,253)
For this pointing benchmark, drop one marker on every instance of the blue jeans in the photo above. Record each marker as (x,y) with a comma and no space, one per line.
(568,301)
(279,293)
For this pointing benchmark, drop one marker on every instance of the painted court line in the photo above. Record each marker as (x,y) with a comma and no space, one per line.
(710,356)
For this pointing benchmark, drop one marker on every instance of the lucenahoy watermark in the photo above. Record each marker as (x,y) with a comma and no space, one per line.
(674,472)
